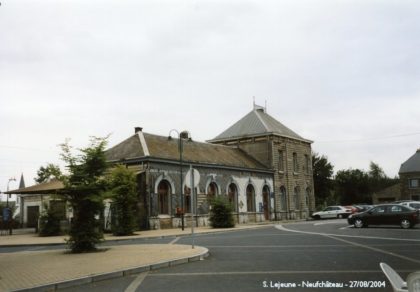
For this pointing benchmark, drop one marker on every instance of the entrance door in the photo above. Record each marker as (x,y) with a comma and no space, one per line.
(33,214)
(266,203)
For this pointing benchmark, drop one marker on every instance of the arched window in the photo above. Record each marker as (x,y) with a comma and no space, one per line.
(164,191)
(296,198)
(187,200)
(266,202)
(250,198)
(283,203)
(212,191)
(233,196)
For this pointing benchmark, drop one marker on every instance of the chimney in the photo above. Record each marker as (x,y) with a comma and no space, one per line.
(137,129)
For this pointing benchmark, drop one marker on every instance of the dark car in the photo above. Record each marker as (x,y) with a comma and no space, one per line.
(388,214)
(362,208)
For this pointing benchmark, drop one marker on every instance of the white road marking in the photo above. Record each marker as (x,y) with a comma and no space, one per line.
(346,227)
(175,240)
(376,249)
(136,283)
(332,221)
(281,227)
(334,236)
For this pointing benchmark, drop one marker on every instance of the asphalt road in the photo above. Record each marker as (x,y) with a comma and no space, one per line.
(301,254)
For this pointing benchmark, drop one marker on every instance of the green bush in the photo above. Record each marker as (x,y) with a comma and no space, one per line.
(49,223)
(122,187)
(221,213)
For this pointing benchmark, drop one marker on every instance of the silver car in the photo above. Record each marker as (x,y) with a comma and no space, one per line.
(411,204)
(332,212)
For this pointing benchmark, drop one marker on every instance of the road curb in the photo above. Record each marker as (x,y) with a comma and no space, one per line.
(143,238)
(117,274)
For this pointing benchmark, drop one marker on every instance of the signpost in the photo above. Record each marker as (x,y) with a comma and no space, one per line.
(192,179)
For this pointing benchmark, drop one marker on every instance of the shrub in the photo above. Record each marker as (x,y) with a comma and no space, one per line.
(84,188)
(122,187)
(221,213)
(49,223)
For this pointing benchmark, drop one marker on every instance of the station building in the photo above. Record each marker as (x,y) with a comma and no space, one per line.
(262,168)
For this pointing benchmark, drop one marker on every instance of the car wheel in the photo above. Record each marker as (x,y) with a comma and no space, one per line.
(358,223)
(317,217)
(340,216)
(405,224)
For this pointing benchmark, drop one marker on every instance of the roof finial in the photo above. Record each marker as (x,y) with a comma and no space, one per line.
(253,98)
(265,108)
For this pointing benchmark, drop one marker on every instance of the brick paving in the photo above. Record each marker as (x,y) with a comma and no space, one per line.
(30,269)
(20,270)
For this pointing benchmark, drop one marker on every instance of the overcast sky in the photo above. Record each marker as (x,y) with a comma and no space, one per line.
(344,74)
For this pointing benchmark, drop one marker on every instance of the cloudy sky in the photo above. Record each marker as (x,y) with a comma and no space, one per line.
(344,74)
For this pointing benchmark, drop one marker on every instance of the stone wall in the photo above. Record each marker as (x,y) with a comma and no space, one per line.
(222,177)
(266,149)
(407,192)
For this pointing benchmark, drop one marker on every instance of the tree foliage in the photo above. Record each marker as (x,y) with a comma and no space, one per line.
(352,186)
(357,186)
(122,187)
(378,180)
(49,222)
(323,178)
(84,188)
(45,174)
(221,213)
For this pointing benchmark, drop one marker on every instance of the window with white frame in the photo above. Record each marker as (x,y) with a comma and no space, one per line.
(212,191)
(164,191)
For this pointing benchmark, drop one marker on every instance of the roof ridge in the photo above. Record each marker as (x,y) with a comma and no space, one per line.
(261,119)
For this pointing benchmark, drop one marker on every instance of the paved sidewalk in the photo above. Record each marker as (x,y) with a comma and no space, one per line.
(50,270)
(34,239)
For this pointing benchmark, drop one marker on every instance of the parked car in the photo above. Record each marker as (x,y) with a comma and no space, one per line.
(332,212)
(362,208)
(387,214)
(353,209)
(411,204)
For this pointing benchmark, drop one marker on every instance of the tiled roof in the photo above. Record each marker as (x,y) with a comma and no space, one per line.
(42,188)
(256,123)
(161,147)
(129,148)
(412,164)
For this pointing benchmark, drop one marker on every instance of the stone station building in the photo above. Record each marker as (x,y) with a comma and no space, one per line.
(263,169)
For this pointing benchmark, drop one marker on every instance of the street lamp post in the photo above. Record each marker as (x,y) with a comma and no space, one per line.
(7,207)
(7,197)
(180,149)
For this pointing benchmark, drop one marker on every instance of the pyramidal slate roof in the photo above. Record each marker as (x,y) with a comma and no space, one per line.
(148,146)
(257,123)
(412,164)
